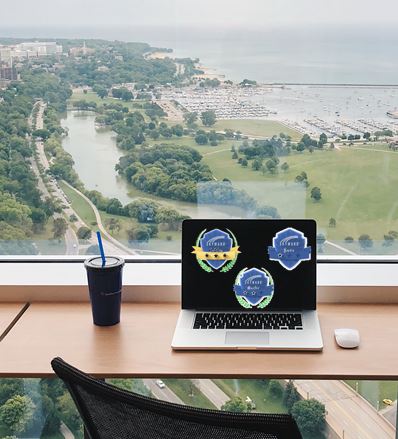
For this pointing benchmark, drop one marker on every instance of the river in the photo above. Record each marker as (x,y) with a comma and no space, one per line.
(95,154)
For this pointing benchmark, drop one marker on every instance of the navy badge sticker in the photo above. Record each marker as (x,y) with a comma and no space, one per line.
(289,248)
(254,288)
(216,250)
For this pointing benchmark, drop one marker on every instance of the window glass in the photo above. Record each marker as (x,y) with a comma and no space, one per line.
(131,118)
(33,408)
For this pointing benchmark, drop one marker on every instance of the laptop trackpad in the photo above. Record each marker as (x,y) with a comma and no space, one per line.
(245,338)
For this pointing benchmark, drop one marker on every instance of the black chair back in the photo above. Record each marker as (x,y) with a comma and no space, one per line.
(111,413)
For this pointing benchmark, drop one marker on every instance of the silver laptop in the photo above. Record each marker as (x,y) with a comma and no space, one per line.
(248,284)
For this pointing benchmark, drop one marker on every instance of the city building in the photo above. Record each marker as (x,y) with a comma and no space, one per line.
(8,73)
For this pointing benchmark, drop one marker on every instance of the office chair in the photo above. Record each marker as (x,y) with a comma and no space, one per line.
(111,413)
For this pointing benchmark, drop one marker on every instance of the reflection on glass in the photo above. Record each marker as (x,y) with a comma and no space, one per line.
(274,116)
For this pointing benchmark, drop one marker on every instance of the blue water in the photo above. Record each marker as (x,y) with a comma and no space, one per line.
(354,55)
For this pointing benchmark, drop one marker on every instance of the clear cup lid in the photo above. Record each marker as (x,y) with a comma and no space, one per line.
(110,262)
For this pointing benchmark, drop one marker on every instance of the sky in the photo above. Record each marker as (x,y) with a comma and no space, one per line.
(223,13)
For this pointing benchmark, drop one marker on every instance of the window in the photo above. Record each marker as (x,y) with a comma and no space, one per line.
(168,110)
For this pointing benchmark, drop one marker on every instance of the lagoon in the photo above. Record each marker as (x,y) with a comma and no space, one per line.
(95,154)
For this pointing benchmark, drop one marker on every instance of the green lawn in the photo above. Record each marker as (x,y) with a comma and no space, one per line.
(79,204)
(359,189)
(93,97)
(224,145)
(374,391)
(257,390)
(257,128)
(188,393)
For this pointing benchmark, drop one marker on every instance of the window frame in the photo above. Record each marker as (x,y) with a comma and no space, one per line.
(63,279)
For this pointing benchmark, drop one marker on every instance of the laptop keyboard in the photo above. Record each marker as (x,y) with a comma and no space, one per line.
(211,320)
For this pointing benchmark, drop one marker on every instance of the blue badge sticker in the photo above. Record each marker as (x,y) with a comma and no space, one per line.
(254,287)
(216,249)
(289,248)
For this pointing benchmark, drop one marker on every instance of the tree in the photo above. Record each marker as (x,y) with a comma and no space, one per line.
(140,234)
(208,118)
(320,241)
(310,416)
(388,240)
(244,163)
(59,228)
(290,396)
(323,139)
(84,233)
(16,413)
(190,118)
(365,241)
(366,135)
(316,193)
(114,225)
(234,155)
(332,223)
(9,388)
(102,92)
(275,388)
(66,406)
(201,138)
(285,167)
(256,164)
(349,239)
(236,405)
(271,166)
(41,133)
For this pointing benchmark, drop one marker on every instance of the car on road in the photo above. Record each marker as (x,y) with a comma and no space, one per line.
(160,384)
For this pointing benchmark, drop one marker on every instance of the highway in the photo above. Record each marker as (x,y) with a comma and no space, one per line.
(164,394)
(348,414)
(212,392)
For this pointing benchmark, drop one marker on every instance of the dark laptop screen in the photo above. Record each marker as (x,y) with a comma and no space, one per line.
(249,265)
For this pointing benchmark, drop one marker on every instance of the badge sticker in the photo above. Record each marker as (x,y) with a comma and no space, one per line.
(289,248)
(254,288)
(216,250)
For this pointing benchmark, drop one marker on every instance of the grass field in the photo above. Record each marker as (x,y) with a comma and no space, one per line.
(358,186)
(93,97)
(79,204)
(188,393)
(374,391)
(257,128)
(257,390)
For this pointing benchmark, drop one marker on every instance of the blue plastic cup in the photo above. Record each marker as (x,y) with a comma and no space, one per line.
(105,288)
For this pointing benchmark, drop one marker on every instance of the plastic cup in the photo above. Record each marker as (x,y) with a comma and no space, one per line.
(105,288)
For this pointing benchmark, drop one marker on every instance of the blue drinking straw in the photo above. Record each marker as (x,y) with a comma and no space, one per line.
(101,248)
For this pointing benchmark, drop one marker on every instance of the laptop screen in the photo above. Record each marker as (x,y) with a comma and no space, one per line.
(257,265)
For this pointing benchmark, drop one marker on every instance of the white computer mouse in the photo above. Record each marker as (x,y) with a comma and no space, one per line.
(347,338)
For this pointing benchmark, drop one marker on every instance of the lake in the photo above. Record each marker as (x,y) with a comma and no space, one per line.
(95,154)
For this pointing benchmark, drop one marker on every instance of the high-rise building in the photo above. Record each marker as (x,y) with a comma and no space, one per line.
(8,73)
(5,55)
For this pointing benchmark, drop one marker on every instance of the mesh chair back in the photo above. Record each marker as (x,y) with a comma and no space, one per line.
(111,413)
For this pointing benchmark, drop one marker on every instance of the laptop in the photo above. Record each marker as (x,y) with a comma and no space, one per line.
(248,284)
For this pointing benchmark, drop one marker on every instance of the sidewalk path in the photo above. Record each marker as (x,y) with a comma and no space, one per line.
(66,433)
